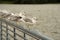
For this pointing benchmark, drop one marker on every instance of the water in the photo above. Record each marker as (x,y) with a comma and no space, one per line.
(48,17)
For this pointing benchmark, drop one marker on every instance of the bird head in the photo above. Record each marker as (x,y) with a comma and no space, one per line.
(22,14)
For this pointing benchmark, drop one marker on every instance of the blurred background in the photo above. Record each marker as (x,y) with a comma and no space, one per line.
(29,1)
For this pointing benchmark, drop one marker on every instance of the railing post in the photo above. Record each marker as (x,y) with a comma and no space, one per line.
(6,31)
(14,34)
(1,29)
(24,36)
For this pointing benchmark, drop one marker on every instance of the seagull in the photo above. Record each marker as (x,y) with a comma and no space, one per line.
(27,19)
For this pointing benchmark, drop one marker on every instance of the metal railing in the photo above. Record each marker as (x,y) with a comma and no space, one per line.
(6,33)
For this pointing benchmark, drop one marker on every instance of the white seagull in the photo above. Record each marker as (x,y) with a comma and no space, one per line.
(27,19)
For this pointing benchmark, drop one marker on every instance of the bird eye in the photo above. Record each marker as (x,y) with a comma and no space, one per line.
(20,17)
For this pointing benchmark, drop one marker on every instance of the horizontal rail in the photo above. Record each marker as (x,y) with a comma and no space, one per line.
(13,32)
(3,39)
(32,34)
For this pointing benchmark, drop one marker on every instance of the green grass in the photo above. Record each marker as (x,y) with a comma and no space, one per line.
(6,2)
